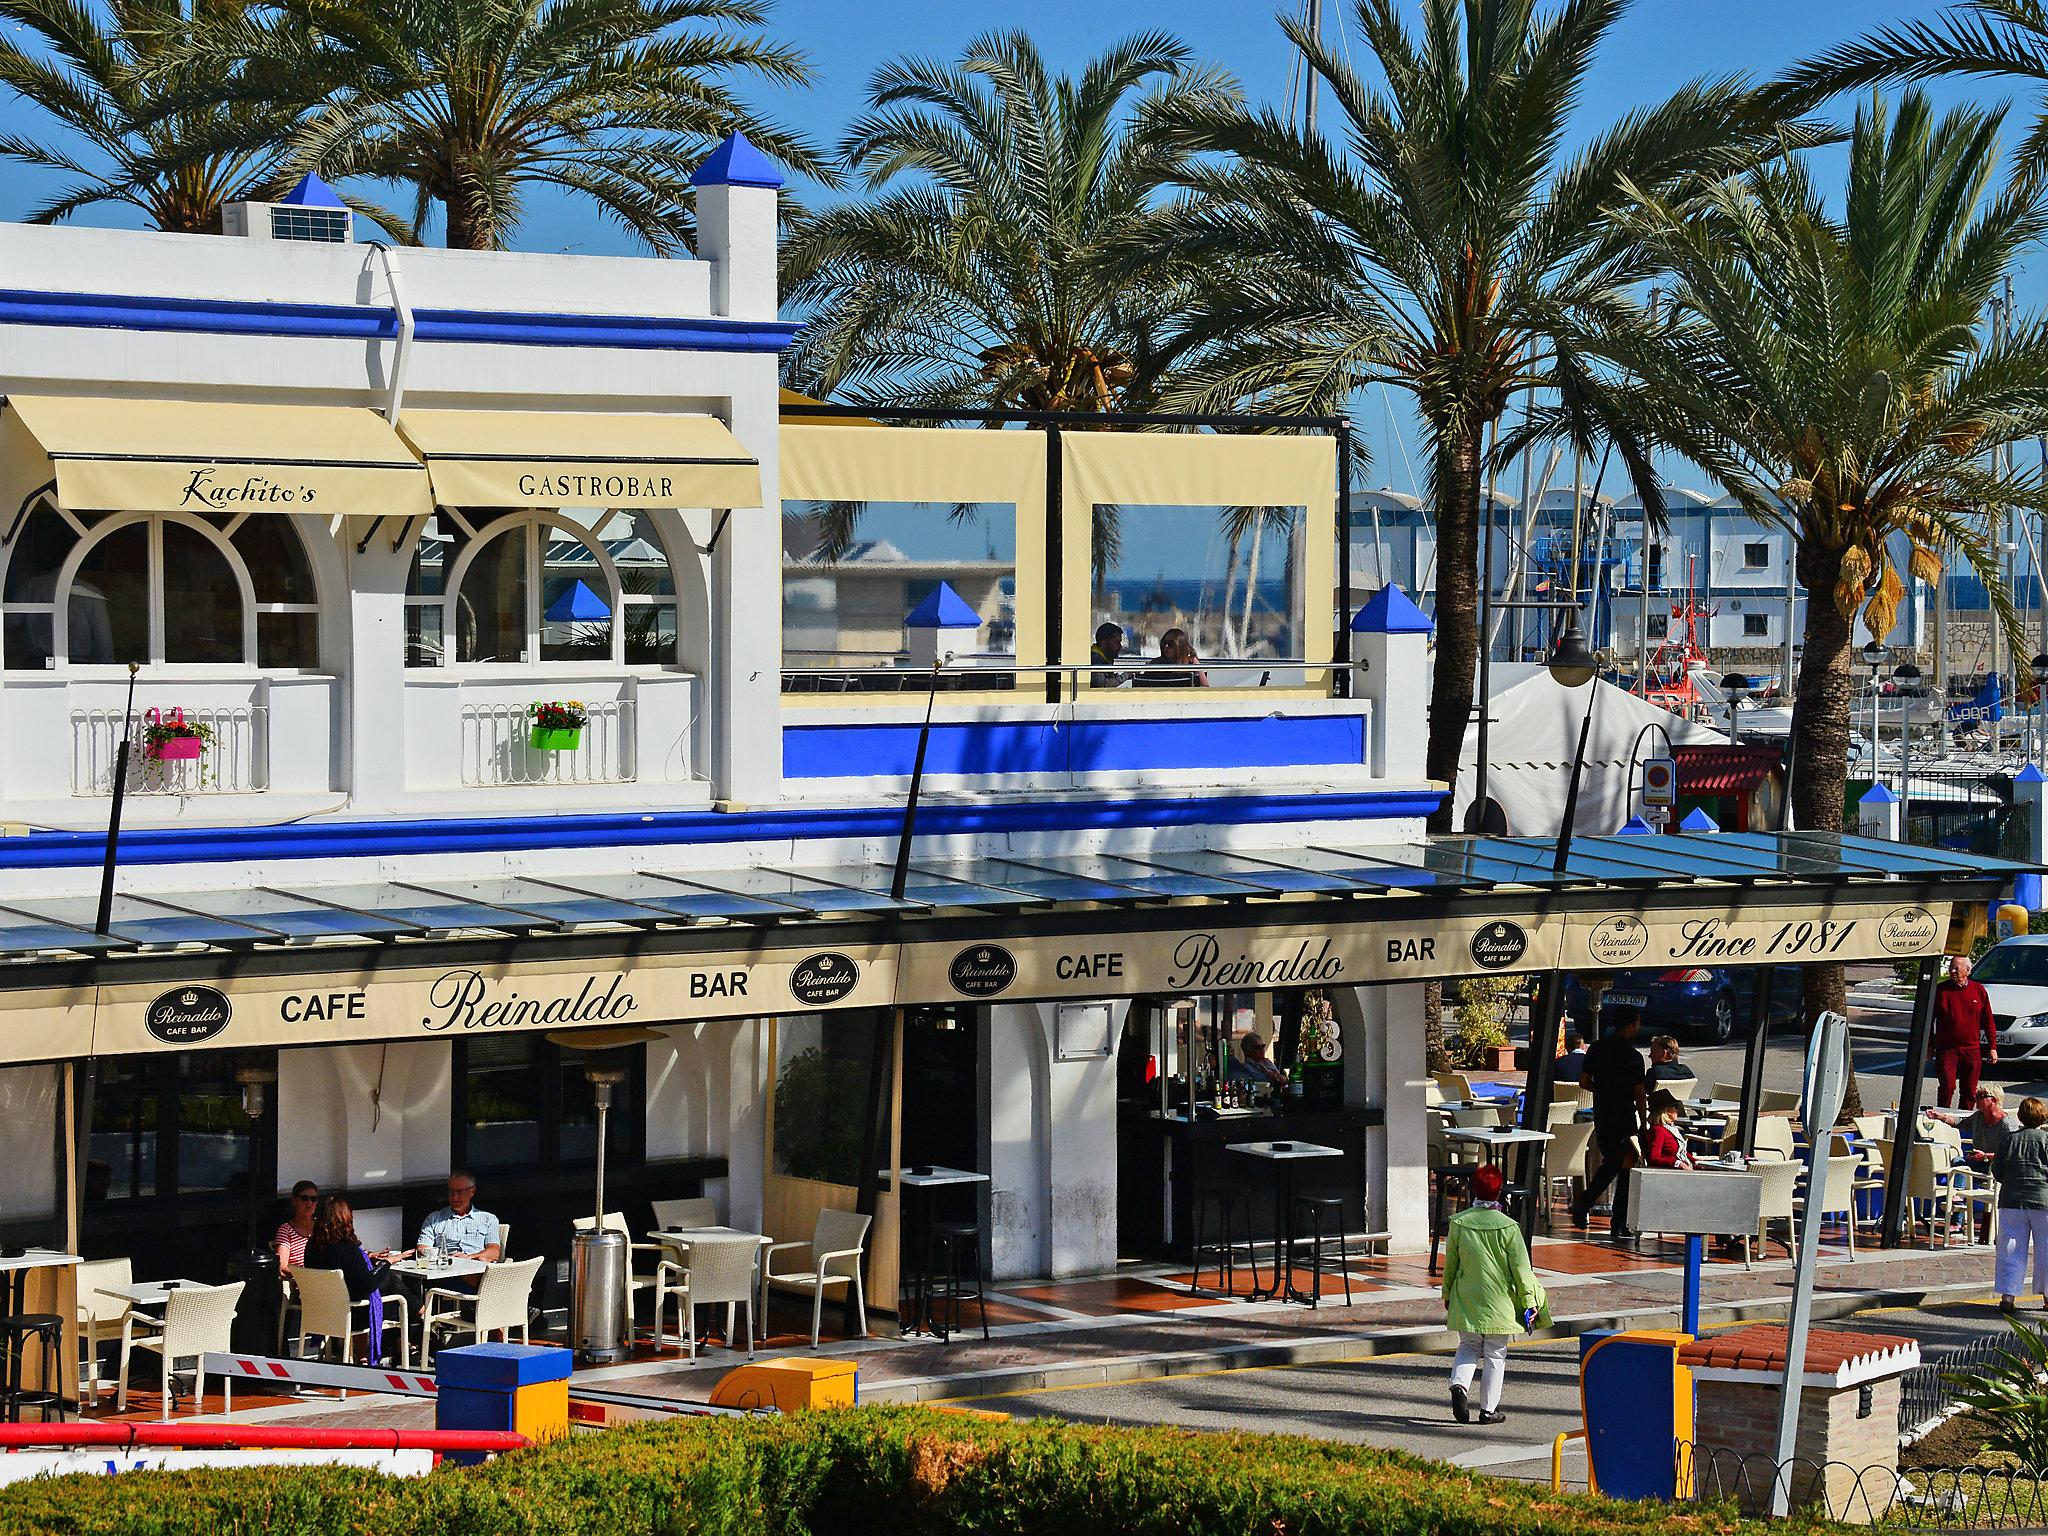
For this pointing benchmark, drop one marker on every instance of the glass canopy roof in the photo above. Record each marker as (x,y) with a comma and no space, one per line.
(34,927)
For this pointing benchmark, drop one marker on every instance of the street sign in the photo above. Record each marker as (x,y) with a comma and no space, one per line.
(1660,783)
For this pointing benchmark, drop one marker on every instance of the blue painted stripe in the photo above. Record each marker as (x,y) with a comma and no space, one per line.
(373,839)
(348,322)
(828,751)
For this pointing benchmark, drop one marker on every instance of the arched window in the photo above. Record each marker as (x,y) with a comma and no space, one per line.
(105,589)
(538,587)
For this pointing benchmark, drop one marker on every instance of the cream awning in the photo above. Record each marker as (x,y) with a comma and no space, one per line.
(106,454)
(636,460)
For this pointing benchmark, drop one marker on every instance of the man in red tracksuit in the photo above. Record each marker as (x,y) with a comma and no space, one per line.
(1965,1035)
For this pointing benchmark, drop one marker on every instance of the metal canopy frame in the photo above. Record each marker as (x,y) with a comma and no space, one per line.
(422,910)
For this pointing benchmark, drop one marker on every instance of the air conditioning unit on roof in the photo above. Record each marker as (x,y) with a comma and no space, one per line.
(310,211)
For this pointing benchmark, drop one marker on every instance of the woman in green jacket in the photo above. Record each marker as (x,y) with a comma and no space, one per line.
(1490,1293)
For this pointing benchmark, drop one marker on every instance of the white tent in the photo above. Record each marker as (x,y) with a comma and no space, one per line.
(1535,731)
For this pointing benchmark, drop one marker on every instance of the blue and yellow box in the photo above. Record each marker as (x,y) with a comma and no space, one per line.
(520,1387)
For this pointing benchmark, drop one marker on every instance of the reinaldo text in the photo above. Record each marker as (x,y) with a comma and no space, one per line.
(458,999)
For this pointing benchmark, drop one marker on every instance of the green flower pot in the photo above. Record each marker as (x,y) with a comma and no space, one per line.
(561,739)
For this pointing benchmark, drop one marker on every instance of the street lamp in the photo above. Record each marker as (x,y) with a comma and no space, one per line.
(1907,676)
(2039,667)
(1738,688)
(1572,664)
(1873,658)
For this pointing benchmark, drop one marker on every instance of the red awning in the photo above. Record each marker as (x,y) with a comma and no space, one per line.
(1729,770)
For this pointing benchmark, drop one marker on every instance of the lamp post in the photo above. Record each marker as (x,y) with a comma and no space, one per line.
(2039,744)
(1737,687)
(1572,664)
(1907,676)
(1873,658)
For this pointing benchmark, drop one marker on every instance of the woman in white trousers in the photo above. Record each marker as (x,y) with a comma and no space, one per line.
(2021,1168)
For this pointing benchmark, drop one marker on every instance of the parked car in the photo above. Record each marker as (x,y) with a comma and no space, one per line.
(2015,973)
(1711,1002)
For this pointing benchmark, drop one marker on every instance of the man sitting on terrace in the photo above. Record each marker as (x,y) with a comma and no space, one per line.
(459,1227)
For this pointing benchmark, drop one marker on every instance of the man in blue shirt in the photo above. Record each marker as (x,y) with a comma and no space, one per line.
(459,1227)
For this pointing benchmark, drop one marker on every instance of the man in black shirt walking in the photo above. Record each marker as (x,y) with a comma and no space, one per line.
(1614,1072)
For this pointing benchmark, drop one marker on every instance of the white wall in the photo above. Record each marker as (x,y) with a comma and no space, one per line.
(364,1117)
(1384,1065)
(1052,1147)
(704,1099)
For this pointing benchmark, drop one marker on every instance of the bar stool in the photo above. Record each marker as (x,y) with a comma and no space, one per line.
(959,1261)
(1225,1203)
(1314,1210)
(1449,1180)
(16,1331)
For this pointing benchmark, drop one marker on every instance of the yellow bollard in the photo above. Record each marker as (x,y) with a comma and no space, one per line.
(788,1385)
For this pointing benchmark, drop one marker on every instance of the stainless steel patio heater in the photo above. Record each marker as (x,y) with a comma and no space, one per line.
(600,1322)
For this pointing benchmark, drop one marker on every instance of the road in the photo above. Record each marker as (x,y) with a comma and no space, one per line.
(1402,1402)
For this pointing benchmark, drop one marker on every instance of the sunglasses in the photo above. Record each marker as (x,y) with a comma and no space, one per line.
(306,1199)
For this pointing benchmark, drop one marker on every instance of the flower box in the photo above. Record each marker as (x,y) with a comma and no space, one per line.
(171,738)
(176,749)
(557,725)
(556,739)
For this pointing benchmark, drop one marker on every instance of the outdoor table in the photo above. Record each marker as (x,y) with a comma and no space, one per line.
(454,1267)
(152,1293)
(1286,1154)
(1491,1137)
(917,1226)
(1711,1106)
(679,1238)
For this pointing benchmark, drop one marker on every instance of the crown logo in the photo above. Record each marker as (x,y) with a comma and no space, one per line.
(189,998)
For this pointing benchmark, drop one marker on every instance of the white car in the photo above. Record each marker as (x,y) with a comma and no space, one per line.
(2015,974)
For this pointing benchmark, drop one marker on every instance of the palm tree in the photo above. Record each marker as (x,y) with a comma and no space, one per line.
(1443,242)
(978,275)
(1989,39)
(1829,372)
(470,102)
(105,78)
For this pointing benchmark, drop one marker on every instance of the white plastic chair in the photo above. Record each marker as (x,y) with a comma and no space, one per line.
(198,1320)
(1837,1196)
(102,1316)
(504,1241)
(634,1281)
(834,1259)
(695,1211)
(326,1312)
(1780,1192)
(715,1270)
(1564,1160)
(498,1305)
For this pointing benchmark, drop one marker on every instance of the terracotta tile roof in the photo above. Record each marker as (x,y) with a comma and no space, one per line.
(1835,1355)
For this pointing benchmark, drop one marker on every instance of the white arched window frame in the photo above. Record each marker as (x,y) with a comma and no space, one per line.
(535,526)
(89,536)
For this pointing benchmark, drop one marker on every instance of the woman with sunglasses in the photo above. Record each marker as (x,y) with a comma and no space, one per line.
(289,1241)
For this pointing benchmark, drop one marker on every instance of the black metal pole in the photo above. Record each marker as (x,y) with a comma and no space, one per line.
(874,1150)
(1055,561)
(1343,678)
(924,739)
(1543,1026)
(106,916)
(1909,1101)
(1753,1057)
(1482,778)
(1571,794)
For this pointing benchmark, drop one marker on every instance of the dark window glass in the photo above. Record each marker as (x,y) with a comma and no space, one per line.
(287,639)
(503,1103)
(822,1068)
(215,1139)
(491,617)
(202,601)
(650,634)
(1756,624)
(424,644)
(28,641)
(109,618)
(39,551)
(121,1161)
(276,560)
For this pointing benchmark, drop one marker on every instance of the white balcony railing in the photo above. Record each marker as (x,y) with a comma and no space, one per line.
(495,749)
(235,762)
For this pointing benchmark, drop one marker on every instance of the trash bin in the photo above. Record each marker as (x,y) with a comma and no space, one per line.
(597,1304)
(255,1329)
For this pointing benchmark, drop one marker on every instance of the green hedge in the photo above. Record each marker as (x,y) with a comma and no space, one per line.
(901,1472)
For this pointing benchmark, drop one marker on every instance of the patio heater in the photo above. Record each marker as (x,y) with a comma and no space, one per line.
(600,1319)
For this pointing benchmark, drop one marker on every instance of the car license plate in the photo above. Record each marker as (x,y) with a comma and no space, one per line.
(1626,1000)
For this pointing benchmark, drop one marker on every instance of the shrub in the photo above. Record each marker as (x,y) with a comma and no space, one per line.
(1485,1003)
(907,1472)
(2010,1395)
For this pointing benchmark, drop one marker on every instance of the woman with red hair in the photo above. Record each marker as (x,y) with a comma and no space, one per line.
(1490,1294)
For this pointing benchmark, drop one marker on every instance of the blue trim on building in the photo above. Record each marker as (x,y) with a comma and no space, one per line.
(375,839)
(350,322)
(987,747)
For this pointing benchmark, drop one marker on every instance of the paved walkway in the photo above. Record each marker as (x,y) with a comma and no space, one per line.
(1144,1324)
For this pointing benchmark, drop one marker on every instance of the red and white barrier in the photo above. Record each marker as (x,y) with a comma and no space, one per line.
(251,1370)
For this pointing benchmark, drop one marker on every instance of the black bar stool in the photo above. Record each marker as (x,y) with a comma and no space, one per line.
(1225,1204)
(17,1330)
(959,1261)
(1451,1181)
(1314,1211)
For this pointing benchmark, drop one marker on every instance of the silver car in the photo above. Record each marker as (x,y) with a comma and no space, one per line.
(2015,974)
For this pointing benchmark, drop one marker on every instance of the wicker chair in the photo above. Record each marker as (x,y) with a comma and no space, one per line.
(102,1316)
(498,1305)
(198,1320)
(696,1211)
(834,1259)
(327,1314)
(714,1270)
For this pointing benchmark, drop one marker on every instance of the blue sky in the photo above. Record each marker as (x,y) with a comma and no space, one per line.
(1658,44)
